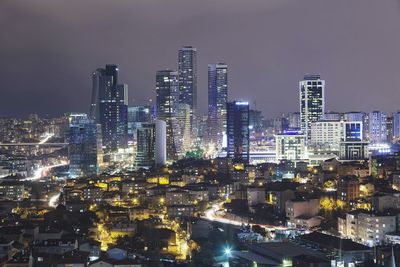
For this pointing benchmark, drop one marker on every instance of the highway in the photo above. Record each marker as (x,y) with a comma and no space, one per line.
(212,215)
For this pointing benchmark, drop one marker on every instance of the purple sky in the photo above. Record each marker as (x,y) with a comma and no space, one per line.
(48,49)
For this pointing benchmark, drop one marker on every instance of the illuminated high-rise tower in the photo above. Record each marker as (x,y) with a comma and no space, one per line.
(84,146)
(312,102)
(187,71)
(109,107)
(217,99)
(238,133)
(167,91)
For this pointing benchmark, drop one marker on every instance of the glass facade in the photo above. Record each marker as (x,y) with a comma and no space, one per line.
(312,103)
(238,134)
(217,99)
(83,146)
(167,91)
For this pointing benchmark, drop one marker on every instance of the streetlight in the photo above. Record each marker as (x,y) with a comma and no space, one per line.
(228,253)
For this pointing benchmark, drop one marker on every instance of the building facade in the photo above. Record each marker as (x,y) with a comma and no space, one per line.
(217,99)
(377,131)
(167,90)
(187,71)
(312,102)
(238,134)
(113,108)
(84,146)
(290,145)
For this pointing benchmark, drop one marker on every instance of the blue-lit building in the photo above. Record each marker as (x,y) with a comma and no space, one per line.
(84,146)
(353,146)
(167,101)
(217,99)
(112,108)
(187,71)
(353,131)
(238,133)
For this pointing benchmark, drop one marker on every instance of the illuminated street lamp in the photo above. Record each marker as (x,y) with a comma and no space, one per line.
(228,252)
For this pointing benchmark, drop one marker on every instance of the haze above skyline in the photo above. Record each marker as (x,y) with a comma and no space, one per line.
(49,49)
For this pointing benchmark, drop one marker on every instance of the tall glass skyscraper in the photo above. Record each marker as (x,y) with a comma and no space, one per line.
(112,108)
(187,70)
(312,102)
(167,90)
(238,134)
(145,145)
(83,145)
(217,99)
(184,126)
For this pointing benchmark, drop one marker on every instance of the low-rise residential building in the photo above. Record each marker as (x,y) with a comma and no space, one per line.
(369,228)
(303,213)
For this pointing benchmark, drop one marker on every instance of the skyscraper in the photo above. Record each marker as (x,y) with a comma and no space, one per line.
(151,144)
(113,108)
(187,71)
(94,112)
(137,115)
(167,91)
(184,126)
(217,99)
(146,136)
(377,131)
(84,146)
(312,102)
(238,134)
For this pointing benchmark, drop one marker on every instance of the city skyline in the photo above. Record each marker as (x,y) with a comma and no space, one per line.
(198,133)
(268,63)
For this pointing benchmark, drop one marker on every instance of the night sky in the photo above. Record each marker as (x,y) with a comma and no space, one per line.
(48,49)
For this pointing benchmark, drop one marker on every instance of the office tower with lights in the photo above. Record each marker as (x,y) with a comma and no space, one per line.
(146,137)
(137,115)
(238,134)
(113,108)
(217,99)
(160,143)
(83,145)
(151,145)
(94,112)
(167,90)
(187,72)
(184,126)
(312,102)
(377,131)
